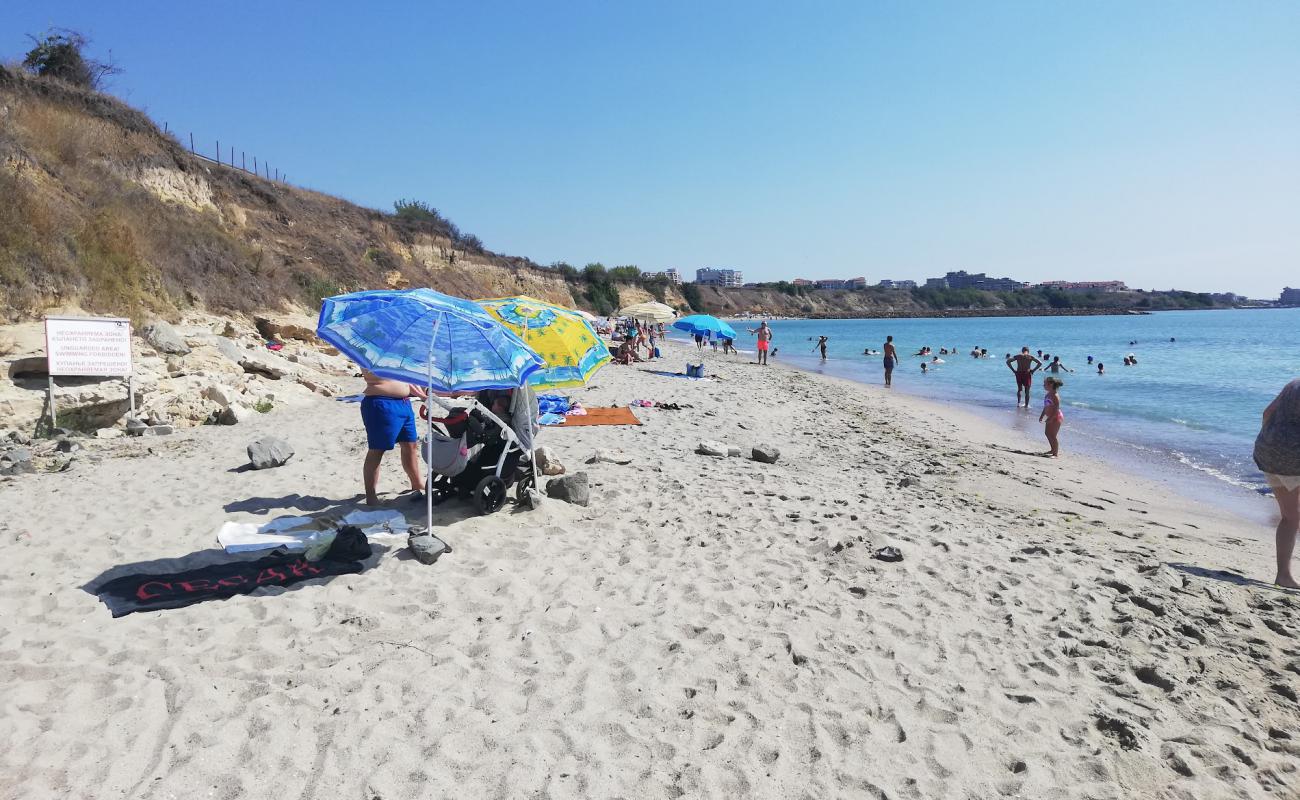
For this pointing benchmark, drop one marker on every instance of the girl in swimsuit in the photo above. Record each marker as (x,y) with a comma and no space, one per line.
(1052,413)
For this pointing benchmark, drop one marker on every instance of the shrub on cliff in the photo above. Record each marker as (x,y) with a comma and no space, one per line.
(59,54)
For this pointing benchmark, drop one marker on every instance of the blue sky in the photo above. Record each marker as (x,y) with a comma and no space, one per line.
(1153,142)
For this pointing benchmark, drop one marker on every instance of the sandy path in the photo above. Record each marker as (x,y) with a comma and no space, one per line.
(707,628)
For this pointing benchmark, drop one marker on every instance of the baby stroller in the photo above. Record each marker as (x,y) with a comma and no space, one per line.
(473,452)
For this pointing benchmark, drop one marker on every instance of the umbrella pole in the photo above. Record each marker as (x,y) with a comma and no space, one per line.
(532,453)
(428,440)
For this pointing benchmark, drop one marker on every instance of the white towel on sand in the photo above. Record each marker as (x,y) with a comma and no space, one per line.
(299,533)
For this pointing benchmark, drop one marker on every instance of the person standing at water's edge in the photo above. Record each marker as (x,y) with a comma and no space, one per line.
(1277,454)
(821,345)
(1052,415)
(386,413)
(1024,366)
(891,358)
(764,340)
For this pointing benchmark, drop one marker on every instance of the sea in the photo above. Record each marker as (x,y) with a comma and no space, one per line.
(1186,413)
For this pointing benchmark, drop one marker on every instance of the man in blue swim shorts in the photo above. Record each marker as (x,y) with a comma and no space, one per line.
(386,412)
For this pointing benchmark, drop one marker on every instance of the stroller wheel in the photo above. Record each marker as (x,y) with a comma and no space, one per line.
(490,494)
(526,482)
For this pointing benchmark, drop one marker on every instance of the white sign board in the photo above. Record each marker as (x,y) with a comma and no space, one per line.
(88,345)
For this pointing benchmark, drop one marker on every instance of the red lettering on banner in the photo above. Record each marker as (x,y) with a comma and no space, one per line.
(232,581)
(144,594)
(200,585)
(302,569)
(269,574)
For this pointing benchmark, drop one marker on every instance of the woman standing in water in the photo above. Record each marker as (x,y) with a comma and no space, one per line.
(1277,454)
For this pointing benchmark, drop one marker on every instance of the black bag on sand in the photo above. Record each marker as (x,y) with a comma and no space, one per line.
(350,544)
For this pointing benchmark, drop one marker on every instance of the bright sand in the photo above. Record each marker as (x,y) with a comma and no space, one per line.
(707,628)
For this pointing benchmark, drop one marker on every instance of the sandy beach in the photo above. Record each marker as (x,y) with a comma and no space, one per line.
(707,627)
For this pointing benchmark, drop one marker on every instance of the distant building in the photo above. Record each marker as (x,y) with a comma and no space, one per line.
(1290,297)
(1086,286)
(961,279)
(888,284)
(673,276)
(720,277)
(801,282)
(842,283)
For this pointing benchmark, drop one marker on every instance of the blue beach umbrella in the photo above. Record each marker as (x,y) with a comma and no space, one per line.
(705,325)
(426,338)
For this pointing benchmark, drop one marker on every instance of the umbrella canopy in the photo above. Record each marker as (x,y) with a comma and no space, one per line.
(571,350)
(651,311)
(426,338)
(705,325)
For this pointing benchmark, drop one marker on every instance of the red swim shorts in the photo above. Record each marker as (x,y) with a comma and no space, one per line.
(762,346)
(1024,380)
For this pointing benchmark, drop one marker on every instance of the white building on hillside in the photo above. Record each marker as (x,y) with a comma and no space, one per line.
(733,278)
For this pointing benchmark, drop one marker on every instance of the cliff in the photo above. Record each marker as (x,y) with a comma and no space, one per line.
(104,212)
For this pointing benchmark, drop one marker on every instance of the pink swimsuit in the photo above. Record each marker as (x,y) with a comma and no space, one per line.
(1050,402)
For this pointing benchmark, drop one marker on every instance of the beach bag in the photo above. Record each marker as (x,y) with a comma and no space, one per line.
(446,455)
(657,353)
(695,370)
(350,544)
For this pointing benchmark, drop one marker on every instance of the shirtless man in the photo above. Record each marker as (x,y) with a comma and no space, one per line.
(891,358)
(764,340)
(1024,365)
(821,345)
(1056,366)
(386,413)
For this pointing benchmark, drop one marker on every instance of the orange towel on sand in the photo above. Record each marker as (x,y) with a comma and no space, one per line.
(601,416)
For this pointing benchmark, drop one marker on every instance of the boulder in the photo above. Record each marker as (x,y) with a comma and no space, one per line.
(710,448)
(266,364)
(269,452)
(67,446)
(18,437)
(228,349)
(135,427)
(235,413)
(280,329)
(426,547)
(221,394)
(765,453)
(16,461)
(164,338)
(547,464)
(609,457)
(175,366)
(570,488)
(109,433)
(28,367)
(734,452)
(158,430)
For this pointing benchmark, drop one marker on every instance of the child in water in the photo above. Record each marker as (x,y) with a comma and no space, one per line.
(1052,413)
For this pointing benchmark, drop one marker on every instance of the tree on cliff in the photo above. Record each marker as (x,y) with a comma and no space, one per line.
(60,54)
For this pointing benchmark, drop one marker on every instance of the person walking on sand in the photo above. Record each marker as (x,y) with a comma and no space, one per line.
(1052,413)
(821,345)
(1277,454)
(386,413)
(764,340)
(1024,366)
(891,358)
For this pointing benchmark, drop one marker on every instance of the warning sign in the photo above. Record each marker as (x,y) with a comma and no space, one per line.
(88,345)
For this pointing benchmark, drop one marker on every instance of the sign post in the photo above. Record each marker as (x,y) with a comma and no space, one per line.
(88,346)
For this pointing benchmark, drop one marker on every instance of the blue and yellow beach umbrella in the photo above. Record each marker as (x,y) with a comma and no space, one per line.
(570,349)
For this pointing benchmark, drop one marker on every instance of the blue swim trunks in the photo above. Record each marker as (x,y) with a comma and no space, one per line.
(388,421)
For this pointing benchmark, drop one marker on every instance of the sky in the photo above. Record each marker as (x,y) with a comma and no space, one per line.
(1156,143)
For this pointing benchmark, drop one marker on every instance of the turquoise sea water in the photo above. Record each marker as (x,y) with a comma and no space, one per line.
(1190,408)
